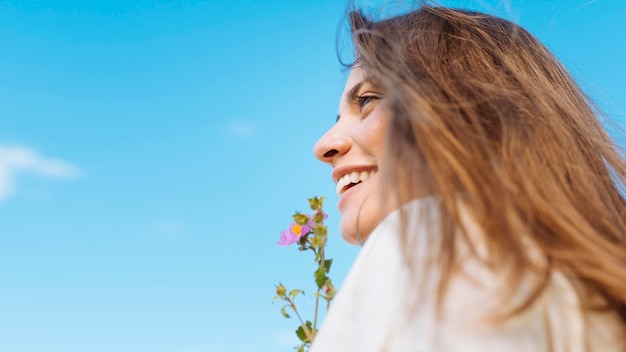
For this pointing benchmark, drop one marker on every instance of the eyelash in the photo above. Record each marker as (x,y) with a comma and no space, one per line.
(365,99)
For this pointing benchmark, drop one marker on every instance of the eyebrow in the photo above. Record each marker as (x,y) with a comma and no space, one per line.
(353,93)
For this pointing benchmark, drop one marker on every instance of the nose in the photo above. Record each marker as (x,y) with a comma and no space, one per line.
(332,144)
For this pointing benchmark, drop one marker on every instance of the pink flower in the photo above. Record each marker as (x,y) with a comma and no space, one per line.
(295,232)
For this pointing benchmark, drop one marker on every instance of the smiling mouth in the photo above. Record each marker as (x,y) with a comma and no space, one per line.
(352,179)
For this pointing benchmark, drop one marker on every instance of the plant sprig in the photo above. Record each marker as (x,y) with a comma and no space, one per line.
(310,234)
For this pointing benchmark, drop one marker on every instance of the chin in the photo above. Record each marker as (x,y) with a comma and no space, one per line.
(362,209)
(348,230)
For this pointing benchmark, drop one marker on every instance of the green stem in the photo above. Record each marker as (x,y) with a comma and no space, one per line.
(317,297)
(308,333)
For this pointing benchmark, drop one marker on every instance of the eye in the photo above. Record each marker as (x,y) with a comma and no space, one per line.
(365,99)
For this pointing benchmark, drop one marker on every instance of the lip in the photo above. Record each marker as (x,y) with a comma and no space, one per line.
(340,171)
(354,190)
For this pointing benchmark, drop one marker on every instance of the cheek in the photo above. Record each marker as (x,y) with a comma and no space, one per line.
(372,133)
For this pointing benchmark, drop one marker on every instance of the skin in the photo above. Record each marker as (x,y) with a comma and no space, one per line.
(355,143)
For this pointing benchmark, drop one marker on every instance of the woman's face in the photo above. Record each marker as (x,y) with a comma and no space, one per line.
(354,147)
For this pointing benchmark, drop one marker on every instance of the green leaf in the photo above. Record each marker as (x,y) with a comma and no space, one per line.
(310,326)
(283,311)
(320,277)
(294,293)
(327,264)
(302,334)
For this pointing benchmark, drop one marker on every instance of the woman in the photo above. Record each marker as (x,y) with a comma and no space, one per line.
(504,227)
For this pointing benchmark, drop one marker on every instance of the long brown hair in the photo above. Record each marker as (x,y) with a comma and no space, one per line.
(483,112)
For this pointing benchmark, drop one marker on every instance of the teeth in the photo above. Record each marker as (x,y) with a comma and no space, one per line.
(353,177)
(364,176)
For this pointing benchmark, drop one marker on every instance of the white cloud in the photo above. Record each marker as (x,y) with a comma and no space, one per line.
(14,160)
(240,129)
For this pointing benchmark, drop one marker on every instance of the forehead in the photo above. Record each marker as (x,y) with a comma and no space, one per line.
(356,75)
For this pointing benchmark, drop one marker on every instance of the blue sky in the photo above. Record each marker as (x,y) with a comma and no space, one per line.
(152,151)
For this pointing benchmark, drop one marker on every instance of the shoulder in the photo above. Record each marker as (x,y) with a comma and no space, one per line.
(379,307)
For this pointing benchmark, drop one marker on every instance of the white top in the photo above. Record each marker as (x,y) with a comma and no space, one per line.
(376,311)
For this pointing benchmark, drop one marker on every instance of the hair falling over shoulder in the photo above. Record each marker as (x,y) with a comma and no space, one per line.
(482,111)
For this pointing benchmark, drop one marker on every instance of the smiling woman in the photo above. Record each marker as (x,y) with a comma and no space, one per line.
(486,189)
(354,148)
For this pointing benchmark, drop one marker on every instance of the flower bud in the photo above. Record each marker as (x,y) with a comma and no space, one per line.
(280,290)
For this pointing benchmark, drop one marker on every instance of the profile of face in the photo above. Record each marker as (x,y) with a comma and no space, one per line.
(354,147)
